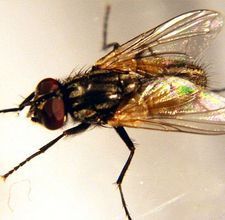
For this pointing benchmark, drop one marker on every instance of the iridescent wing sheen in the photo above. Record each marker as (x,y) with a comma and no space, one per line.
(181,38)
(173,104)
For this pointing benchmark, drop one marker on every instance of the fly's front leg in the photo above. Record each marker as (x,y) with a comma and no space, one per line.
(123,134)
(25,103)
(75,130)
(107,45)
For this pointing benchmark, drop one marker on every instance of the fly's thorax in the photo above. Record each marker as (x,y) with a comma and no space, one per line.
(48,107)
(95,96)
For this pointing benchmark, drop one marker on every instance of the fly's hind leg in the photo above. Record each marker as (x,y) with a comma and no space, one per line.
(107,45)
(124,136)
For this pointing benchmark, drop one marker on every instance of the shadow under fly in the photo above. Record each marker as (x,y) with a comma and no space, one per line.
(152,81)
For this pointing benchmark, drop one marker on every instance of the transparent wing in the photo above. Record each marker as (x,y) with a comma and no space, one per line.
(173,104)
(183,37)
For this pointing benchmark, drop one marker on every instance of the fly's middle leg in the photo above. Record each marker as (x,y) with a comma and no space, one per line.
(72,131)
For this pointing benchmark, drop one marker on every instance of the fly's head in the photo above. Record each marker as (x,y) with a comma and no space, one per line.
(48,107)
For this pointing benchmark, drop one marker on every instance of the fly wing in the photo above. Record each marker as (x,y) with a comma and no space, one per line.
(183,37)
(173,104)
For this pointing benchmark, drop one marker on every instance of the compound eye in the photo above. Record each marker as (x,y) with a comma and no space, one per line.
(52,114)
(46,86)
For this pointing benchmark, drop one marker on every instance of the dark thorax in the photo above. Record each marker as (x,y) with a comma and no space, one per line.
(95,96)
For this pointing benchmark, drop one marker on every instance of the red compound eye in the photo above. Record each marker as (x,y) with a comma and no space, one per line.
(49,111)
(53,113)
(46,86)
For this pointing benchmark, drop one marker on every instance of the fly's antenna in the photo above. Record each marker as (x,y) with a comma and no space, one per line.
(26,102)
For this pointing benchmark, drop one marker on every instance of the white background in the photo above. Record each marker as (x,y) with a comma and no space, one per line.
(172,176)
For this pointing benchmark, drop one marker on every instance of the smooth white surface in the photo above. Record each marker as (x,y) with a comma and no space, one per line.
(173,176)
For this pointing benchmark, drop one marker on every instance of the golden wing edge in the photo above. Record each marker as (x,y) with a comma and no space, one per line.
(173,126)
(130,49)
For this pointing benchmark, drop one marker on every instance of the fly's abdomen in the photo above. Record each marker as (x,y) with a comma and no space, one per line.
(95,96)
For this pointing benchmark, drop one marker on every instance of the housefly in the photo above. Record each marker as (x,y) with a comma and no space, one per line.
(152,81)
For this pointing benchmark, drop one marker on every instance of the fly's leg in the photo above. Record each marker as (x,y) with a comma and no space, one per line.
(25,103)
(218,90)
(107,45)
(75,130)
(124,136)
